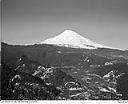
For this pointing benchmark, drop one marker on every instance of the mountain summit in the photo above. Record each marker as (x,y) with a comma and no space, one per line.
(69,38)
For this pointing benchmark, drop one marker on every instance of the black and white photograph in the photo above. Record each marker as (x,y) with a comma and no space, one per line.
(64,50)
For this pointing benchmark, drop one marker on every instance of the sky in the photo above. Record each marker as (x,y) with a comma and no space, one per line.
(32,21)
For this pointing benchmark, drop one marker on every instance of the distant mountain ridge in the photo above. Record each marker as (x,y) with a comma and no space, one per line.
(46,53)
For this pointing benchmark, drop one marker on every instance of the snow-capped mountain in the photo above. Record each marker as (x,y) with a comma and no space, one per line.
(69,38)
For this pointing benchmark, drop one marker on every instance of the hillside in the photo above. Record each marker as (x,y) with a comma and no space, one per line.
(73,73)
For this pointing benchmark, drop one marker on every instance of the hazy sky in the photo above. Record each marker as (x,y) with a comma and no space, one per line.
(32,21)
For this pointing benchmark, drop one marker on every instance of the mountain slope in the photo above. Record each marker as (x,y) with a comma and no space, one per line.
(74,73)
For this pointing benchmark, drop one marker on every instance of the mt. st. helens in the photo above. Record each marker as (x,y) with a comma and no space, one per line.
(81,70)
(70,38)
